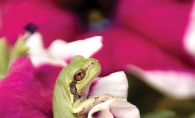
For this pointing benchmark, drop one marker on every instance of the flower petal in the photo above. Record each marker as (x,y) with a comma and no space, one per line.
(19,67)
(52,21)
(60,49)
(114,108)
(175,84)
(19,96)
(160,22)
(189,37)
(115,83)
(27,92)
(122,47)
(38,54)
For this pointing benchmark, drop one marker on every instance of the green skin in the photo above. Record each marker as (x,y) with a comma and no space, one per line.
(69,99)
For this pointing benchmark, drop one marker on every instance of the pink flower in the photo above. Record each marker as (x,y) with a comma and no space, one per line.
(23,94)
(169,26)
(27,91)
(155,40)
(149,37)
(47,15)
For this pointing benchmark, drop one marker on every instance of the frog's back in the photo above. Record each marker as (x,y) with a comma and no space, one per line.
(62,109)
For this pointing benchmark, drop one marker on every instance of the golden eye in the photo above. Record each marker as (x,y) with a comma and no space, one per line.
(79,75)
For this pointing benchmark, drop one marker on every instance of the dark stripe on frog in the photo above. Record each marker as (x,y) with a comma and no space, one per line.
(73,90)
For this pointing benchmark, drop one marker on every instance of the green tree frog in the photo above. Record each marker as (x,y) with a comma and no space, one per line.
(71,88)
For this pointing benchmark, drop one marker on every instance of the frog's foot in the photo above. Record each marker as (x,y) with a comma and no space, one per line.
(80,108)
(103,98)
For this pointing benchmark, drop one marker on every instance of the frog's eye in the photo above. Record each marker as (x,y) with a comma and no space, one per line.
(79,75)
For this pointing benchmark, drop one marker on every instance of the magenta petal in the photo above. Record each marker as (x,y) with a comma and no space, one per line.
(53,22)
(21,70)
(21,95)
(163,22)
(45,77)
(122,48)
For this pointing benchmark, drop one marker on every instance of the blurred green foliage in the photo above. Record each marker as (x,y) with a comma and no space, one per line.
(8,54)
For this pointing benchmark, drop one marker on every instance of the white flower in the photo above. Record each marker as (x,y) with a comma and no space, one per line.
(172,83)
(189,36)
(60,51)
(114,108)
(115,84)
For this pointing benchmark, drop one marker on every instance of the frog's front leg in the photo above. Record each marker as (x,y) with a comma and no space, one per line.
(81,108)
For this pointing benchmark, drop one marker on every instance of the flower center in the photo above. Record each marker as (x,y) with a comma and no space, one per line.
(92,14)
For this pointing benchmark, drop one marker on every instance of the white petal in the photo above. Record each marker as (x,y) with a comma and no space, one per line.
(38,53)
(189,37)
(60,51)
(116,84)
(63,50)
(115,108)
(177,85)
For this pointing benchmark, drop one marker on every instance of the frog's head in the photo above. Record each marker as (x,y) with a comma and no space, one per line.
(82,71)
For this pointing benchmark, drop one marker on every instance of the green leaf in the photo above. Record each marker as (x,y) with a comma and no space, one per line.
(19,48)
(3,57)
